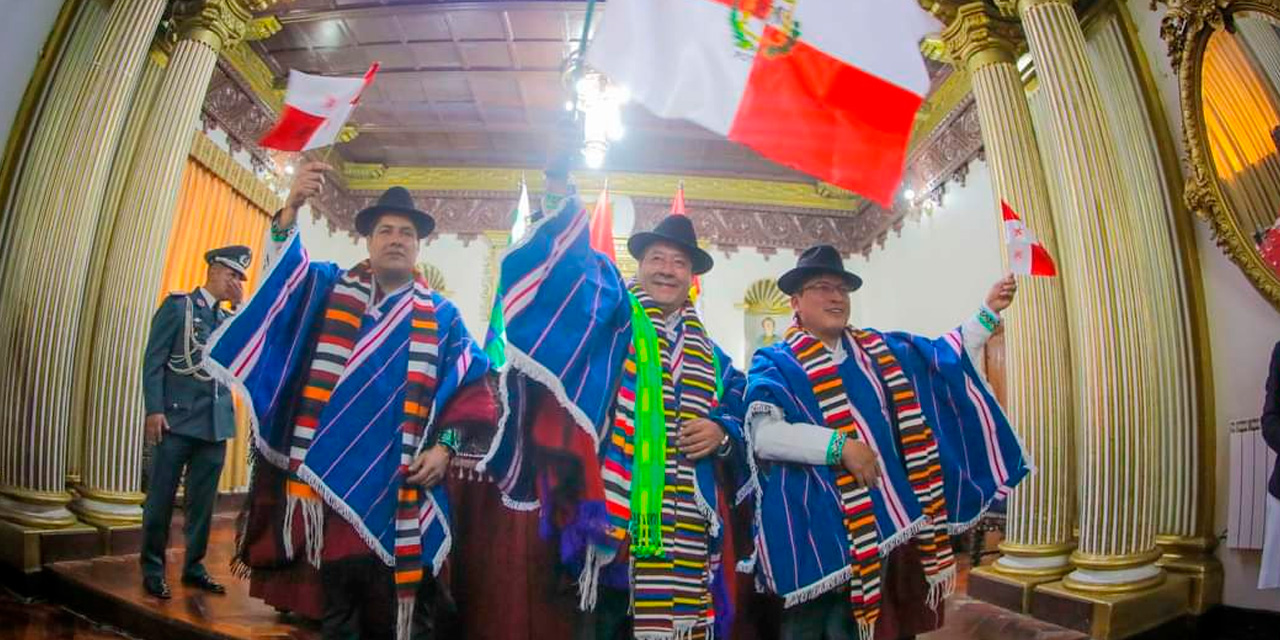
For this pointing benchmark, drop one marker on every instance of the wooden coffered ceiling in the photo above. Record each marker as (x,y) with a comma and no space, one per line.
(477,84)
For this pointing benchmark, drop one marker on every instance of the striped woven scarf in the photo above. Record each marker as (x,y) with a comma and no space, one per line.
(920,450)
(855,499)
(924,469)
(672,581)
(335,344)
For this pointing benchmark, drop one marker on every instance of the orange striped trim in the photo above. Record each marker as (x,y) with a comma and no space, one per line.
(339,314)
(301,490)
(865,520)
(409,577)
(316,393)
(830,384)
(813,348)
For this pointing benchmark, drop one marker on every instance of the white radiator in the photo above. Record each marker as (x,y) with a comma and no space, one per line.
(1251,463)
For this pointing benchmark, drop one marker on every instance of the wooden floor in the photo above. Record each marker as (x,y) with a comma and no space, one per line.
(96,599)
(110,590)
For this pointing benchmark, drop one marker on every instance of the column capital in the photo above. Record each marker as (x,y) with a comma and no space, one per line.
(1014,7)
(975,38)
(219,23)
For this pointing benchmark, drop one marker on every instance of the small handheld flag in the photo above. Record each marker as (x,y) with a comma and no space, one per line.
(1026,255)
(315,110)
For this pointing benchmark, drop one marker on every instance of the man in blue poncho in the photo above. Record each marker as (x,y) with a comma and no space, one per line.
(350,376)
(621,412)
(873,448)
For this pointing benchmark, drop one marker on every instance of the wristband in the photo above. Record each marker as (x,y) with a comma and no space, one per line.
(835,448)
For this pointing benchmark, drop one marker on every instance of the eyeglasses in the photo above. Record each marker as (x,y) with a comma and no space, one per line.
(826,288)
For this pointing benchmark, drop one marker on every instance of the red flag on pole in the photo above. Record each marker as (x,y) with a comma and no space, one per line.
(602,225)
(677,209)
(1026,255)
(677,204)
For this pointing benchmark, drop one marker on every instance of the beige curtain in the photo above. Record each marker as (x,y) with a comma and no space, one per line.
(210,214)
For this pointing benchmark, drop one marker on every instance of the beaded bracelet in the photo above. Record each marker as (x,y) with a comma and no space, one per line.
(278,234)
(835,448)
(988,319)
(449,438)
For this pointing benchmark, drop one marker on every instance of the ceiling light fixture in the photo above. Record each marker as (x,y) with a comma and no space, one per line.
(600,105)
(597,105)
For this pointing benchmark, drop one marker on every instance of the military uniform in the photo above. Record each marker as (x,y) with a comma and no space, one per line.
(201,418)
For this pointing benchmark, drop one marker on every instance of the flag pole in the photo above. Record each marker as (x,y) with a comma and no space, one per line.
(582,50)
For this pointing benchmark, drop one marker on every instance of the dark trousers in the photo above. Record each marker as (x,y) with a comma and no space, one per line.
(360,602)
(203,462)
(823,618)
(609,620)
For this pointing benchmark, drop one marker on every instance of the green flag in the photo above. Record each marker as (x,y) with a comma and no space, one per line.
(495,340)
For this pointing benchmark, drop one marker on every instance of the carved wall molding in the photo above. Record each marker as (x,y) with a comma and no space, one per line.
(242,180)
(231,105)
(799,197)
(724,225)
(943,157)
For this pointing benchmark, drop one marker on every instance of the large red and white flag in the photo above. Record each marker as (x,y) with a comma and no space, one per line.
(1027,256)
(829,87)
(315,109)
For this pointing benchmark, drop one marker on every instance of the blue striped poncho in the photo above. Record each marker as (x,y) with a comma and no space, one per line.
(568,323)
(800,536)
(353,462)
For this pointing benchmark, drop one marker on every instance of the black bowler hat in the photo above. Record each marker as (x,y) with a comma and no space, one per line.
(677,230)
(817,260)
(395,200)
(235,257)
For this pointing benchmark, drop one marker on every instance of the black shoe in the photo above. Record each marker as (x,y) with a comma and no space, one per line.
(204,582)
(157,587)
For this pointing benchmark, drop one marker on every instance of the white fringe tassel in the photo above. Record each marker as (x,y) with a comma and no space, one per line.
(312,527)
(801,596)
(866,630)
(404,618)
(290,506)
(941,587)
(313,521)
(589,579)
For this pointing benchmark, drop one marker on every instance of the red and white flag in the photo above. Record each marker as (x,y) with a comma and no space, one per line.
(315,109)
(829,87)
(1027,256)
(601,230)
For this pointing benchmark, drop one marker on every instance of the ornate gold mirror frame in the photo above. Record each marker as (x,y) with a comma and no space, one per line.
(1186,30)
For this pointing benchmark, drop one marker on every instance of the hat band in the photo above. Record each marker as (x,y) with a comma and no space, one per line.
(232,264)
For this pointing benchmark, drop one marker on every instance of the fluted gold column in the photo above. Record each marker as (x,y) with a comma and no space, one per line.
(44,280)
(50,120)
(95,504)
(114,412)
(1107,316)
(1038,538)
(1184,513)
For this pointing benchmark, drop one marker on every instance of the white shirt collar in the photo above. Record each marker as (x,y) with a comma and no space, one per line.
(838,354)
(208,297)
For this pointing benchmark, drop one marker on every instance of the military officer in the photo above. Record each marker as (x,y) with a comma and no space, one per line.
(189,418)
